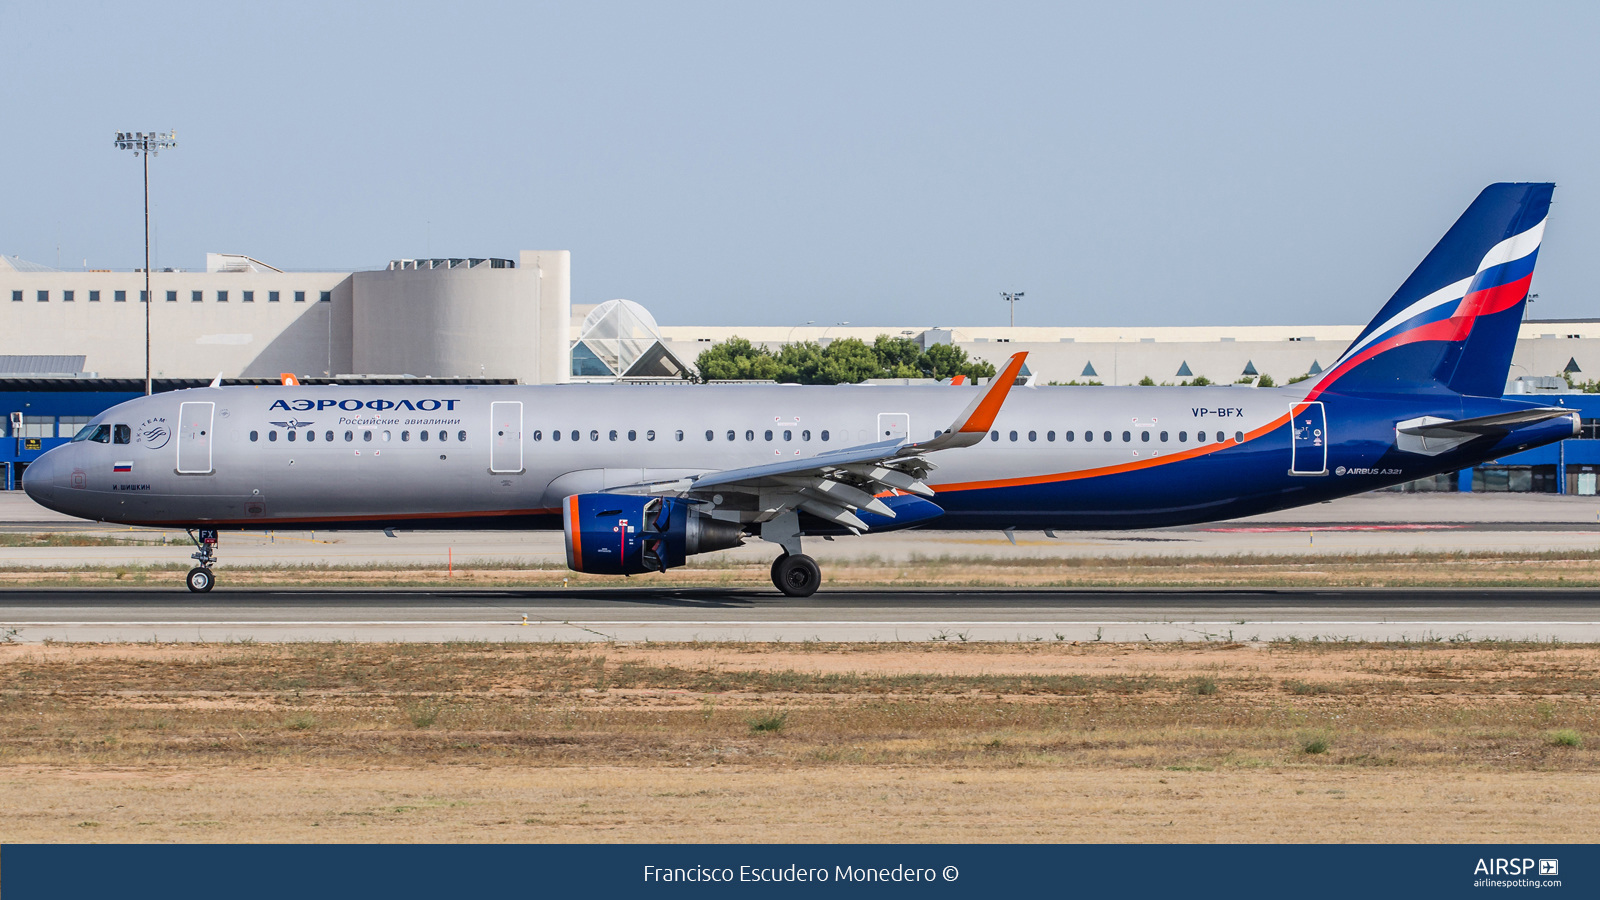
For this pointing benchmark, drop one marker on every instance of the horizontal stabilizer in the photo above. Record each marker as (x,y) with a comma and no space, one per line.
(1431,435)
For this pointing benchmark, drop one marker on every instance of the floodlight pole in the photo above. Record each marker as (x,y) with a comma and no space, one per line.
(144,144)
(1012,299)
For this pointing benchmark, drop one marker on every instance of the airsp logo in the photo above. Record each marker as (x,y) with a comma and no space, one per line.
(153,433)
(1339,471)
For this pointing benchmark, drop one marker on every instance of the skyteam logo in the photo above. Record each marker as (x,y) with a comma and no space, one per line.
(153,433)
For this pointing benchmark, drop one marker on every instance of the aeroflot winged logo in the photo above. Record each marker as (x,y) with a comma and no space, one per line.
(292,423)
(306,405)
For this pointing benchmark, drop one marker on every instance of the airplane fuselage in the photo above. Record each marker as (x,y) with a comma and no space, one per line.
(477,456)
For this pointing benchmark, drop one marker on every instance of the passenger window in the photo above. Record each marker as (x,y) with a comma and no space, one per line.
(709,436)
(1183,437)
(554,435)
(1163,437)
(1087,435)
(385,436)
(365,435)
(788,435)
(405,435)
(730,434)
(272,435)
(1033,435)
(445,435)
(328,436)
(311,435)
(255,436)
(423,435)
(769,434)
(824,434)
(1144,436)
(574,434)
(994,435)
(1127,436)
(461,435)
(349,436)
(595,435)
(537,435)
(1238,437)
(1070,436)
(1049,435)
(1013,436)
(121,434)
(612,434)
(634,435)
(291,435)
(1107,437)
(749,435)
(805,435)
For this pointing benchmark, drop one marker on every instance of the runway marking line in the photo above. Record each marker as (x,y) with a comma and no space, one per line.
(704,623)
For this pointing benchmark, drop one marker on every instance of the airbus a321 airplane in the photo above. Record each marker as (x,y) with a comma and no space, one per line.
(641,478)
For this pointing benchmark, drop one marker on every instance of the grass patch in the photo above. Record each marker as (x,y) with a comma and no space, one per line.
(301,722)
(1205,686)
(1314,745)
(1566,737)
(772,723)
(1306,688)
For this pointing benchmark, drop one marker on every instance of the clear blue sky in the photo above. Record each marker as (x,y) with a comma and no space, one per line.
(887,164)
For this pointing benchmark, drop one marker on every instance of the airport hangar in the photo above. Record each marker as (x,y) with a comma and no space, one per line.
(73,346)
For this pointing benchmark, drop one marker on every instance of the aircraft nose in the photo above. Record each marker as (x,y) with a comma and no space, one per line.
(39,479)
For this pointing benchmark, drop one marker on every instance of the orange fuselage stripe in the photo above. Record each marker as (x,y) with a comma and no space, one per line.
(1109,470)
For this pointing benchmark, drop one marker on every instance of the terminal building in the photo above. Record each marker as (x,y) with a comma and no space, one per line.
(73,345)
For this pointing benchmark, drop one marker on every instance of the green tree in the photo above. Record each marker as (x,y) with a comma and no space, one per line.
(800,363)
(1147,381)
(947,360)
(897,357)
(736,359)
(1266,381)
(849,361)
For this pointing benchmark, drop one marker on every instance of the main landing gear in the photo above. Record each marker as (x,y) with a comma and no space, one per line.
(796,574)
(200,578)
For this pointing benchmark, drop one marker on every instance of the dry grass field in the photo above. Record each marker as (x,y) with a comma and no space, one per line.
(1551,568)
(800,742)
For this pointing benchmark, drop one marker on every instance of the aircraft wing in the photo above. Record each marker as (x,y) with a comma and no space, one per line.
(836,484)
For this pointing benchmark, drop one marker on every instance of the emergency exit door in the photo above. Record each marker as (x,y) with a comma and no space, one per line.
(505,436)
(1309,426)
(195,437)
(893,427)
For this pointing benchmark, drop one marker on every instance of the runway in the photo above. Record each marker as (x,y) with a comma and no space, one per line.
(36,615)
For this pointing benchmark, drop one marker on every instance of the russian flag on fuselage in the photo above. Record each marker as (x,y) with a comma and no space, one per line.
(1453,324)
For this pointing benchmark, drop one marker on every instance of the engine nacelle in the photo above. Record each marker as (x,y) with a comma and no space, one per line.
(625,534)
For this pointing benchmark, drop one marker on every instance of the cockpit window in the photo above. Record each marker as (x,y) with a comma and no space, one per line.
(100,434)
(121,434)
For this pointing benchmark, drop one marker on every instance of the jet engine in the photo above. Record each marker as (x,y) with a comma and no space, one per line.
(623,534)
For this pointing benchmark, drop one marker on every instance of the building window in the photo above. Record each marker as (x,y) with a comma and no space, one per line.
(119,296)
(38,427)
(327,297)
(66,296)
(16,296)
(94,296)
(44,296)
(222,296)
(144,296)
(249,296)
(172,296)
(299,296)
(196,296)
(272,296)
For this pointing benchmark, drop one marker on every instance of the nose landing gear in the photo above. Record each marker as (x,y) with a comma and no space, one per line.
(200,578)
